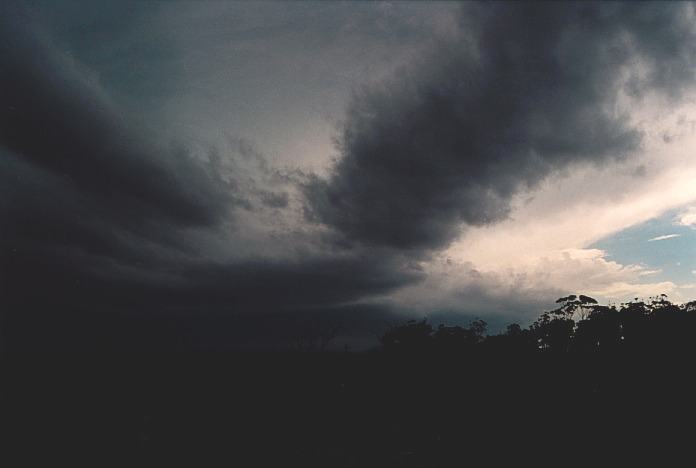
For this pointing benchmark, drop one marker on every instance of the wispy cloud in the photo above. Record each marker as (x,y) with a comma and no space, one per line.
(665,237)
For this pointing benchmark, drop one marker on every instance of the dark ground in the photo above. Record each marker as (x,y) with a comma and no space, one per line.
(345,410)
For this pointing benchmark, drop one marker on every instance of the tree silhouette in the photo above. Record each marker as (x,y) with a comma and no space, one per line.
(579,324)
(411,336)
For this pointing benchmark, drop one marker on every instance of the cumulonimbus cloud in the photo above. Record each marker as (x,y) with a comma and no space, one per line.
(526,90)
(100,220)
(97,217)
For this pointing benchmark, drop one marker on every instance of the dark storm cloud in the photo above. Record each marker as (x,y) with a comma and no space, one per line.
(69,278)
(56,119)
(103,229)
(81,184)
(68,297)
(528,89)
(97,219)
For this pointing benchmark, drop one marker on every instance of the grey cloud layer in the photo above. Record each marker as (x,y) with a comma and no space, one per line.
(528,89)
(57,120)
(96,216)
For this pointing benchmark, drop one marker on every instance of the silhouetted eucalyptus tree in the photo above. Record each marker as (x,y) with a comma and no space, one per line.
(578,325)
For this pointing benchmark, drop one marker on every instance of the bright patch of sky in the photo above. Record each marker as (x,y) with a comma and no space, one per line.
(665,245)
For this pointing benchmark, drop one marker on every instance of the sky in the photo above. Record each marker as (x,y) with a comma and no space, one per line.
(245,175)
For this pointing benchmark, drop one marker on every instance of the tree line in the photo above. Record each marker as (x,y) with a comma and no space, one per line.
(578,324)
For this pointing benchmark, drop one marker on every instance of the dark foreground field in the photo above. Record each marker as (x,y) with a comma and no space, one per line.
(584,383)
(373,409)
